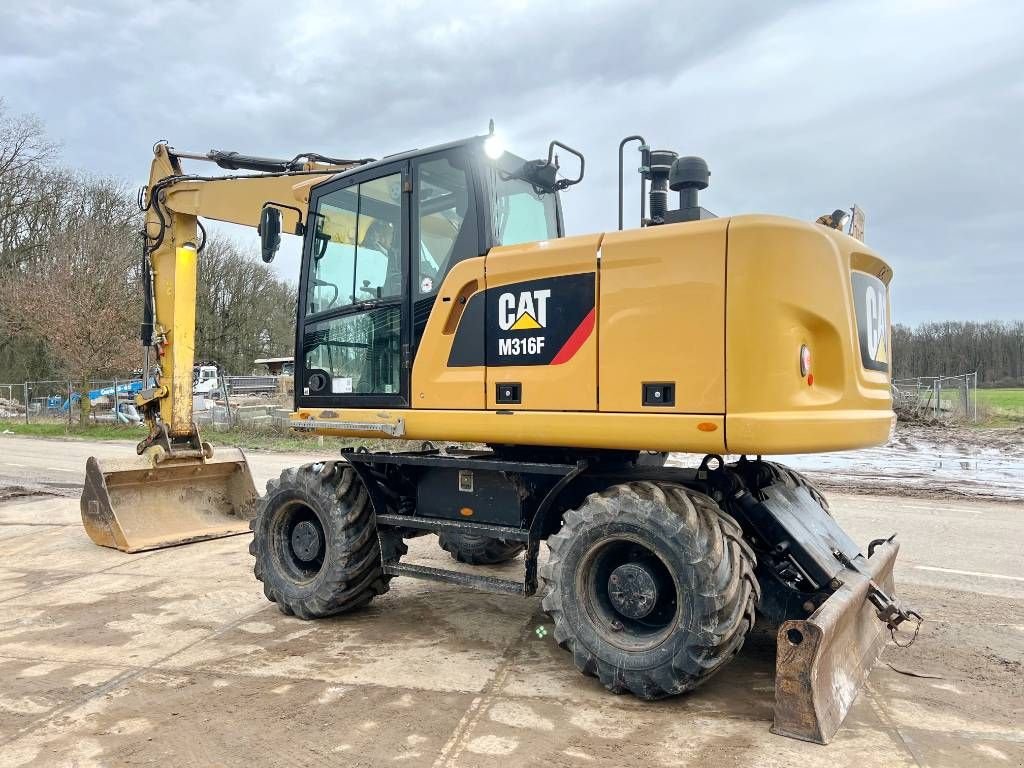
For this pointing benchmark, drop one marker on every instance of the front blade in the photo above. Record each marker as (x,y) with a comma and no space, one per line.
(823,661)
(139,504)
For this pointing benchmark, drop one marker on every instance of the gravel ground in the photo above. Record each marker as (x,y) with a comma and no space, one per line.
(175,657)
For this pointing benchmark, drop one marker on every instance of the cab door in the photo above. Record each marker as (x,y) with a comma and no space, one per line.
(353,334)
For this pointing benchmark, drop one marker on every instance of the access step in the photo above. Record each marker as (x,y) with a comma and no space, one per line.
(442,525)
(472,580)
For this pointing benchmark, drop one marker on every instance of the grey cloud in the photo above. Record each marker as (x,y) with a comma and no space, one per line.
(912,110)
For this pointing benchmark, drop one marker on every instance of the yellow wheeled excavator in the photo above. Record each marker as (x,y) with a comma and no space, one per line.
(440,300)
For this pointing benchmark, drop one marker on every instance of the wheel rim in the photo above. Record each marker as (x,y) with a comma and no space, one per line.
(299,541)
(628,592)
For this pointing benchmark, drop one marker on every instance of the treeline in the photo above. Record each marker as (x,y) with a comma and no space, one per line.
(70,257)
(995,350)
(243,312)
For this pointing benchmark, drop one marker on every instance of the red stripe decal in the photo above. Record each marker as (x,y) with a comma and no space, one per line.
(573,343)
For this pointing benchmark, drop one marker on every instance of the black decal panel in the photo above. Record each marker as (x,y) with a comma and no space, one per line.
(536,322)
(870,301)
(468,346)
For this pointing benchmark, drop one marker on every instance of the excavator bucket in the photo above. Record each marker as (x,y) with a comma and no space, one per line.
(822,661)
(147,503)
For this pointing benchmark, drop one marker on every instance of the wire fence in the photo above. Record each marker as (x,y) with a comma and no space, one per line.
(237,401)
(953,398)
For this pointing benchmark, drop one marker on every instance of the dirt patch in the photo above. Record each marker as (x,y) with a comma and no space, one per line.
(8,492)
(976,643)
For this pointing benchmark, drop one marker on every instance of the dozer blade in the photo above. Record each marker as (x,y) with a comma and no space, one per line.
(143,503)
(823,661)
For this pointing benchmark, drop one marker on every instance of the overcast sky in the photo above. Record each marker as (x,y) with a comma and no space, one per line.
(912,110)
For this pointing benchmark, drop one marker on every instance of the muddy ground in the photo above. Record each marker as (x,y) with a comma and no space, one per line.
(175,658)
(922,460)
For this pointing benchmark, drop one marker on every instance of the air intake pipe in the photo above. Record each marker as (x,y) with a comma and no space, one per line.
(658,172)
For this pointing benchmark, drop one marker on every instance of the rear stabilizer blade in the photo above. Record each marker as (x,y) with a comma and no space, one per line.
(823,661)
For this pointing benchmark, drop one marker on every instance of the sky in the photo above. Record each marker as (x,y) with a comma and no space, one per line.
(912,110)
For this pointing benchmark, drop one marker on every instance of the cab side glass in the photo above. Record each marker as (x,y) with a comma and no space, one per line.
(446,219)
(522,214)
(357,246)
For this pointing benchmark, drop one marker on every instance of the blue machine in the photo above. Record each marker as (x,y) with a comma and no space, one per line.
(127,388)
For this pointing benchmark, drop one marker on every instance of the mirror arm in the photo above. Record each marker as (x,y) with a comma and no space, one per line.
(563,183)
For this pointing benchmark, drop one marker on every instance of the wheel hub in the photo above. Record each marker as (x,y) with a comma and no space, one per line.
(306,541)
(633,590)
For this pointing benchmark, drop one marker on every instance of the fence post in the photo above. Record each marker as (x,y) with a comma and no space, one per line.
(26,402)
(227,400)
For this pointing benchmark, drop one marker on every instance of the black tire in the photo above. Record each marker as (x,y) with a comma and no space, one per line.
(794,479)
(705,600)
(479,550)
(315,542)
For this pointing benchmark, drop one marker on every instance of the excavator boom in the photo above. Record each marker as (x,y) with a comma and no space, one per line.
(178,489)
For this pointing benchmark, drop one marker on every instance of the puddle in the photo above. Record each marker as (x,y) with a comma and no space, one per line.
(959,462)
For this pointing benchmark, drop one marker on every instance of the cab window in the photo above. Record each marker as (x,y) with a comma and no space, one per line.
(446,220)
(357,246)
(522,213)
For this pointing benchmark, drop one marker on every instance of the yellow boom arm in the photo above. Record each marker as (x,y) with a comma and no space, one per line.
(176,491)
(175,202)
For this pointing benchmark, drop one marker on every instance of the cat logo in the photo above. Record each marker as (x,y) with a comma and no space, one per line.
(874,311)
(527,312)
(871,302)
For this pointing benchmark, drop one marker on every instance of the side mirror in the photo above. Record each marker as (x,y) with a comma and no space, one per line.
(270,232)
(542,174)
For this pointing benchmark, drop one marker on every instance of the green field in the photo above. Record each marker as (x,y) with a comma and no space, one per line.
(996,407)
(1002,399)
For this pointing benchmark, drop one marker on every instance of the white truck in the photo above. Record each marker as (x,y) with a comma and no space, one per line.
(207,381)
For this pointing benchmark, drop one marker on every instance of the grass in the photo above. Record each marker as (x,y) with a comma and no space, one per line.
(268,440)
(996,407)
(1001,407)
(1003,399)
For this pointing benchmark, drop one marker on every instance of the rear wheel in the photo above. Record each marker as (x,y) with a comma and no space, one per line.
(651,588)
(315,542)
(479,550)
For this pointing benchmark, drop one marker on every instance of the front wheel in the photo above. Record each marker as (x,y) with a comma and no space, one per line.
(651,588)
(315,542)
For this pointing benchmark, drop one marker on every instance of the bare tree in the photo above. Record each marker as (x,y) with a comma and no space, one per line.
(80,298)
(243,311)
(995,350)
(25,156)
(69,284)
